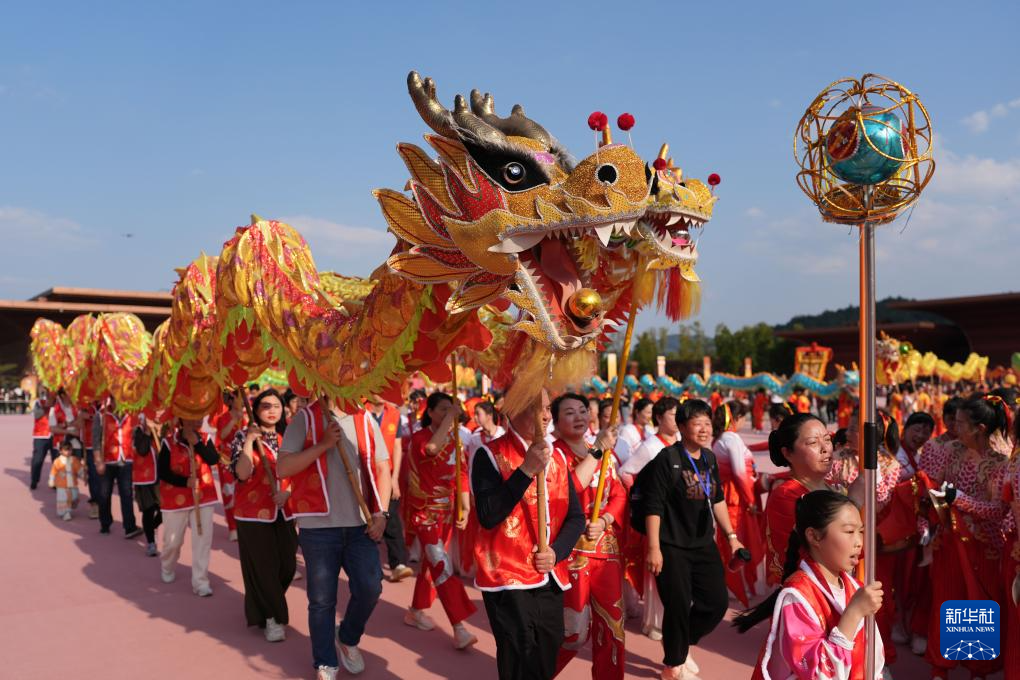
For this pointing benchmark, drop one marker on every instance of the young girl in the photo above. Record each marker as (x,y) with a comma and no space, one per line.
(818,617)
(65,473)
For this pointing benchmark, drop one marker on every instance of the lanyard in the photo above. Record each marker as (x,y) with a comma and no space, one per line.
(706,484)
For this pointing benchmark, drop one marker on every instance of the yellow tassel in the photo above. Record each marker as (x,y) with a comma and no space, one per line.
(529,377)
(644,287)
(691,298)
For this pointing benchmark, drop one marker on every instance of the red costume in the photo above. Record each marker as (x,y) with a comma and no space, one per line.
(228,483)
(737,474)
(118,433)
(430,498)
(845,410)
(968,550)
(761,404)
(181,461)
(594,603)
(780,519)
(254,502)
(503,554)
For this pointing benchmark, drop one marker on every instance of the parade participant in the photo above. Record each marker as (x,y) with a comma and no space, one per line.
(593,607)
(594,413)
(227,424)
(489,428)
(387,417)
(522,586)
(292,403)
(761,403)
(187,495)
(638,576)
(965,565)
(818,617)
(681,499)
(895,404)
(114,454)
(622,450)
(42,439)
(916,433)
(778,412)
(738,477)
(640,428)
(267,540)
(86,418)
(334,533)
(1011,561)
(144,480)
(431,503)
(801,401)
(65,472)
(63,423)
(802,443)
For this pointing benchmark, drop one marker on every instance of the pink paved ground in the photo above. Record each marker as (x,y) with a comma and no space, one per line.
(75,602)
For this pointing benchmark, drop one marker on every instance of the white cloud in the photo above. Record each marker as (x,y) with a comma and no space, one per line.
(754,212)
(973,176)
(979,121)
(354,251)
(28,226)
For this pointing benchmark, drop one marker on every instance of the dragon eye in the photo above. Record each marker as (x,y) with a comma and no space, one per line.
(514,173)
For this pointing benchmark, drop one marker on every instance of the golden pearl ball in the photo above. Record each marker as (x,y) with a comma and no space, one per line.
(585,303)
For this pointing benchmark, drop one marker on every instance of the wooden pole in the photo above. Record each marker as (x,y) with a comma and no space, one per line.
(543,518)
(614,413)
(458,446)
(196,496)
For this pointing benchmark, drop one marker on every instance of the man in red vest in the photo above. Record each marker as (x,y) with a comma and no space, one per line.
(334,532)
(114,452)
(41,436)
(387,416)
(522,586)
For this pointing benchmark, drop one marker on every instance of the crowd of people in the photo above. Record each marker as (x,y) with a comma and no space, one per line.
(665,517)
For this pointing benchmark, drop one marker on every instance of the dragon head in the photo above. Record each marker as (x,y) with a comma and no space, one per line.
(504,214)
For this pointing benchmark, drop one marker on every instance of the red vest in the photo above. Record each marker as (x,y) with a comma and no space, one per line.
(143,471)
(41,427)
(118,445)
(827,614)
(61,418)
(389,425)
(504,553)
(309,495)
(253,497)
(86,427)
(180,497)
(614,501)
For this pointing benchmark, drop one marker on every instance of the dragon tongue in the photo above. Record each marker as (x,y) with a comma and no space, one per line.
(558,266)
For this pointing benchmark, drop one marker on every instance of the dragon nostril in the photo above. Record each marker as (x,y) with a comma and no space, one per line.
(607,174)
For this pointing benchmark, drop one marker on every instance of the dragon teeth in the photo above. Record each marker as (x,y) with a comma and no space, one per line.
(605,232)
(517,244)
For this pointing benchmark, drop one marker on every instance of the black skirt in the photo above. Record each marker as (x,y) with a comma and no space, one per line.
(268,552)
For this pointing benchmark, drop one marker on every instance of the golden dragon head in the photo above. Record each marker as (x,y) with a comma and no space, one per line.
(504,214)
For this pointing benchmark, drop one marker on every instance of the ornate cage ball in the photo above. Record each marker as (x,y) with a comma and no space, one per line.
(864,148)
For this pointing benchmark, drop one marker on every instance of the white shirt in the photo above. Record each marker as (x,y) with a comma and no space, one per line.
(634,436)
(648,450)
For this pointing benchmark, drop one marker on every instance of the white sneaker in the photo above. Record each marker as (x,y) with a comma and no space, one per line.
(400,572)
(677,673)
(350,659)
(462,637)
(919,645)
(66,516)
(899,635)
(204,591)
(274,631)
(233,536)
(652,633)
(167,576)
(326,673)
(417,618)
(691,665)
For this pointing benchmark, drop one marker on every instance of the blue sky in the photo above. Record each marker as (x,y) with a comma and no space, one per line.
(174,121)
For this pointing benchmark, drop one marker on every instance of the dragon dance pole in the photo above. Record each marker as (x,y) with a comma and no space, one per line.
(458,446)
(543,519)
(360,497)
(614,413)
(868,431)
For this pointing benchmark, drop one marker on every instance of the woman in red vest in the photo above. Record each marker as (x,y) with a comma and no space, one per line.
(228,423)
(41,436)
(143,477)
(267,539)
(593,607)
(432,485)
(803,444)
(738,476)
(187,495)
(817,630)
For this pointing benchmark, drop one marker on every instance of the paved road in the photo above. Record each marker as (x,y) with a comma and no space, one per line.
(74,601)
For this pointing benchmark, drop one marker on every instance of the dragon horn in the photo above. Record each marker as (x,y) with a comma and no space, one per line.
(435,115)
(516,123)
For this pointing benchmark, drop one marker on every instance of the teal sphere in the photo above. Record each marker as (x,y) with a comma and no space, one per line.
(849,155)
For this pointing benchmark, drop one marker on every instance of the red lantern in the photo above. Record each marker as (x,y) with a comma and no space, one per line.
(625,121)
(598,121)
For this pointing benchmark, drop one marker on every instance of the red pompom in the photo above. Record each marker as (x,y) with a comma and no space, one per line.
(598,121)
(659,164)
(625,121)
(714,180)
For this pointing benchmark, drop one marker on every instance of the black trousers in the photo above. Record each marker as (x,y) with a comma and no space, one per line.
(121,476)
(147,497)
(40,447)
(396,546)
(528,627)
(692,587)
(268,552)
